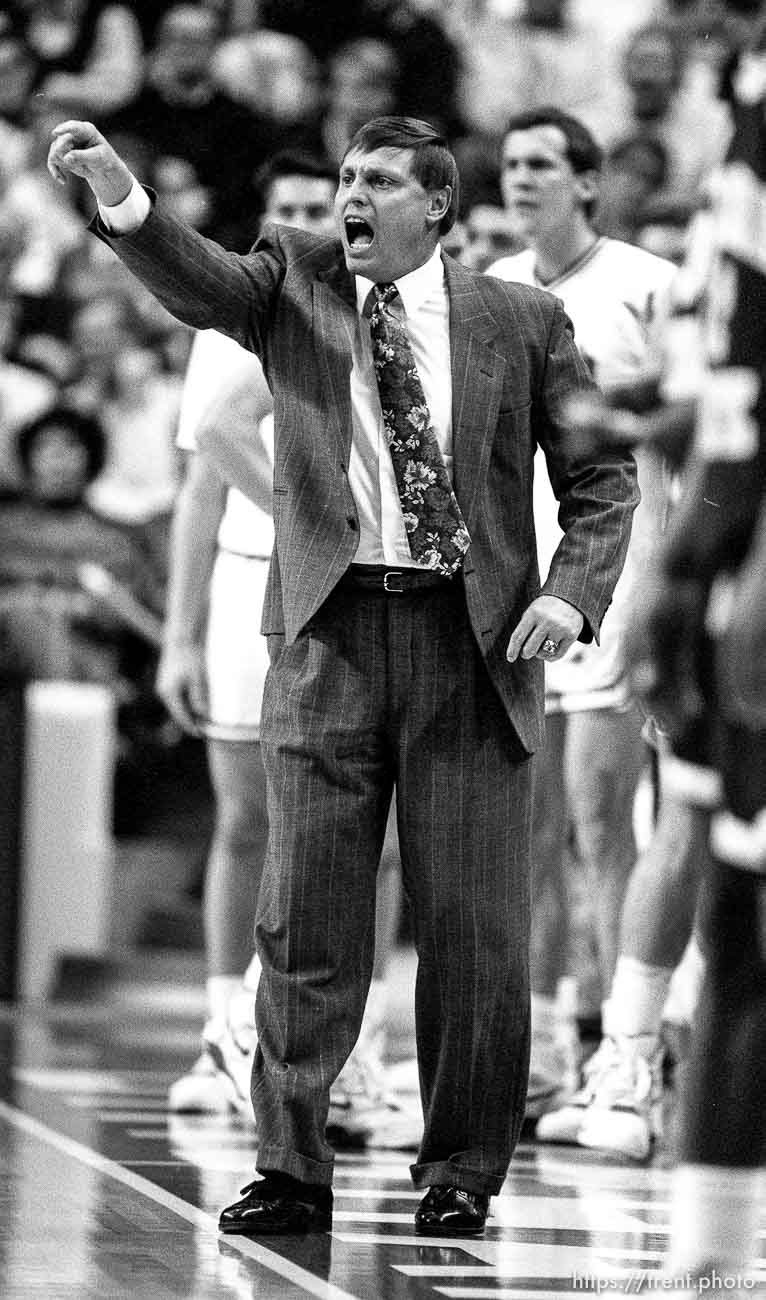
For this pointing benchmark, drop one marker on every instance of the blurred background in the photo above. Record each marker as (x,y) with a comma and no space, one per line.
(105,806)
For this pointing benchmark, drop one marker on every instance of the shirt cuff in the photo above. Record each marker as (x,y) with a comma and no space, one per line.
(128,216)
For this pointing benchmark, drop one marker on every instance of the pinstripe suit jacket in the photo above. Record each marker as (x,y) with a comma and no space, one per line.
(513,361)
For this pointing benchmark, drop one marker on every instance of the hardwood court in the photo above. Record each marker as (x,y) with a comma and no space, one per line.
(104,1195)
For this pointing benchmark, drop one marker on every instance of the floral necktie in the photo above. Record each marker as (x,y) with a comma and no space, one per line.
(436,531)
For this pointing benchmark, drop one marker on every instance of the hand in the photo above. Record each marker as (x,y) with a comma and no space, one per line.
(663,652)
(548,618)
(78,149)
(182,685)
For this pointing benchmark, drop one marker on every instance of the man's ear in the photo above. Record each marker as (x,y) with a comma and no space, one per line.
(588,186)
(438,204)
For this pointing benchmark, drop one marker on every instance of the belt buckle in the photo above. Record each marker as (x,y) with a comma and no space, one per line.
(393,576)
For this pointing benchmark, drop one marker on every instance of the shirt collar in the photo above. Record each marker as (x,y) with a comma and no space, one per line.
(414,287)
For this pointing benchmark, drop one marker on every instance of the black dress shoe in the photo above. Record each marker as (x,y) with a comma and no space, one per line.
(278,1203)
(452,1211)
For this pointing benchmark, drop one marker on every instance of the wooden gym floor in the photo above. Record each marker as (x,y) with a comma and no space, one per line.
(104,1195)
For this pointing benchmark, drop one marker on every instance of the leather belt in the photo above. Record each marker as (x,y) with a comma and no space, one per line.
(393,582)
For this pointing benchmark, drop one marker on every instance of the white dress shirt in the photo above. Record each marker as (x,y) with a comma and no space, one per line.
(423,293)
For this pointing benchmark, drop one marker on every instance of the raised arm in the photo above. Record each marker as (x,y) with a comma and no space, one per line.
(200,283)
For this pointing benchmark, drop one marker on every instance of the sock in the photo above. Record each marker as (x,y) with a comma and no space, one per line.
(714,1218)
(636,999)
(219,989)
(685,986)
(253,973)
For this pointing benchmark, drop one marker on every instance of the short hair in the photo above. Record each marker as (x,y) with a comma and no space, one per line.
(636,147)
(292,162)
(433,163)
(85,428)
(583,151)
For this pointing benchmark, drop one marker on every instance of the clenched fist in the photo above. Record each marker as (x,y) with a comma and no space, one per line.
(79,149)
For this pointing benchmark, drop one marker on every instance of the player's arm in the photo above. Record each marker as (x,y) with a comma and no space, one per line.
(181,675)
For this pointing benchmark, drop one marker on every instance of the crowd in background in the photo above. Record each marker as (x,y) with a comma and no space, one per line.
(196,96)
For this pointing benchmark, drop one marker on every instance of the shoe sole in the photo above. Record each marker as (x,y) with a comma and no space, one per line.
(448,1232)
(201,1108)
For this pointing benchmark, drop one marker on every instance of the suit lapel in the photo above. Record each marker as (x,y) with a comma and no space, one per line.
(334,323)
(477,383)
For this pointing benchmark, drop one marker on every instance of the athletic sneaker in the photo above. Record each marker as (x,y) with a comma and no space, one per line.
(219,1081)
(232,1050)
(201,1091)
(563,1122)
(625,1114)
(364,1113)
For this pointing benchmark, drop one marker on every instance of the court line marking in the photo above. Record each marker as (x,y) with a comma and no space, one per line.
(490,1268)
(269,1259)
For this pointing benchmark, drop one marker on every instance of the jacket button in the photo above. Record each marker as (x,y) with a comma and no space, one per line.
(351,521)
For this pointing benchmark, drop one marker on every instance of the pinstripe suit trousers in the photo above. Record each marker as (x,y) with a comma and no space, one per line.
(382,691)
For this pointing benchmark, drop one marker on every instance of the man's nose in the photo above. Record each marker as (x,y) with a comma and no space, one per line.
(357,191)
(520,174)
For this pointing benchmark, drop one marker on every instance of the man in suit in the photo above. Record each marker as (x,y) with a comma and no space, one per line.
(407,633)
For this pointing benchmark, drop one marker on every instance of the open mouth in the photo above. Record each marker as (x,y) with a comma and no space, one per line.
(358,233)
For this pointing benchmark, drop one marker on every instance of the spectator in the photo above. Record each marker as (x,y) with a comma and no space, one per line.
(634,173)
(659,102)
(363,81)
(88,52)
(180,112)
(47,226)
(429,61)
(18,70)
(430,64)
(487,236)
(140,479)
(541,55)
(276,76)
(120,379)
(24,393)
(51,627)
